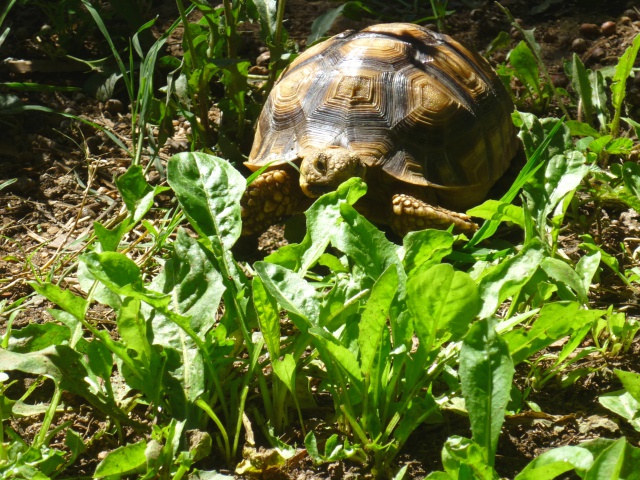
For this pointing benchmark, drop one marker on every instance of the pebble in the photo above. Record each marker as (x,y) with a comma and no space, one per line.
(93,144)
(263,59)
(579,45)
(114,106)
(598,53)
(515,34)
(590,30)
(477,14)
(625,20)
(632,14)
(608,28)
(559,80)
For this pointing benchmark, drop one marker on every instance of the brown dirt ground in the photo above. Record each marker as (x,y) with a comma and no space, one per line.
(65,181)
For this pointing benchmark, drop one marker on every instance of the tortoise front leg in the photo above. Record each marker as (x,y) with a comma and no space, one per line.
(272,196)
(410,214)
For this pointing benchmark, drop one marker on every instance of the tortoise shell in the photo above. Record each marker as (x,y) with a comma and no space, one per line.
(416,104)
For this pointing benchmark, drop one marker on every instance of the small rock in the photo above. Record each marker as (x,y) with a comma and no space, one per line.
(257,70)
(560,80)
(598,54)
(515,34)
(590,30)
(632,14)
(263,59)
(114,106)
(93,144)
(579,45)
(608,28)
(70,111)
(625,20)
(477,14)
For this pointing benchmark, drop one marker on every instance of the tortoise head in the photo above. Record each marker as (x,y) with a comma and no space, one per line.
(323,170)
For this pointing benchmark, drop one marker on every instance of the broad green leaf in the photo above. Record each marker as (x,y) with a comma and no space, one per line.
(366,246)
(587,267)
(209,190)
(581,129)
(122,276)
(340,355)
(462,458)
(137,194)
(486,372)
(323,23)
(268,317)
(526,67)
(564,275)
(555,462)
(285,369)
(75,305)
(555,321)
(425,248)
(193,282)
(36,337)
(610,463)
(443,303)
(624,404)
(267,12)
(508,277)
(582,86)
(323,219)
(631,382)
(499,211)
(290,290)
(631,177)
(133,331)
(619,85)
(374,318)
(122,460)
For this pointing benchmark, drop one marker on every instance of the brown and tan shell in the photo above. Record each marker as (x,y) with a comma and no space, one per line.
(417,104)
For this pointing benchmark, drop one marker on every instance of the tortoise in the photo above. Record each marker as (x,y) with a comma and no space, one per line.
(423,120)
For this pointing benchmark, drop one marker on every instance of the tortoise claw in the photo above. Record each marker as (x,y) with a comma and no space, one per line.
(410,214)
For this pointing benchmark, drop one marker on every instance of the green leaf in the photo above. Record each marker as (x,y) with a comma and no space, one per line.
(209,190)
(564,275)
(581,129)
(323,23)
(631,177)
(443,303)
(498,211)
(619,85)
(285,369)
(486,372)
(630,381)
(374,317)
(290,290)
(122,276)
(122,460)
(555,321)
(191,278)
(464,459)
(555,462)
(526,67)
(323,219)
(425,248)
(508,277)
(75,305)
(137,194)
(582,86)
(342,356)
(624,404)
(268,317)
(267,11)
(610,464)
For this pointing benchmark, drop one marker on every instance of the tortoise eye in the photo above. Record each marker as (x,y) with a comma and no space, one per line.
(321,165)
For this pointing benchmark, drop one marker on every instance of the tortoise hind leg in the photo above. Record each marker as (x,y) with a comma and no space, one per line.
(410,214)
(272,196)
